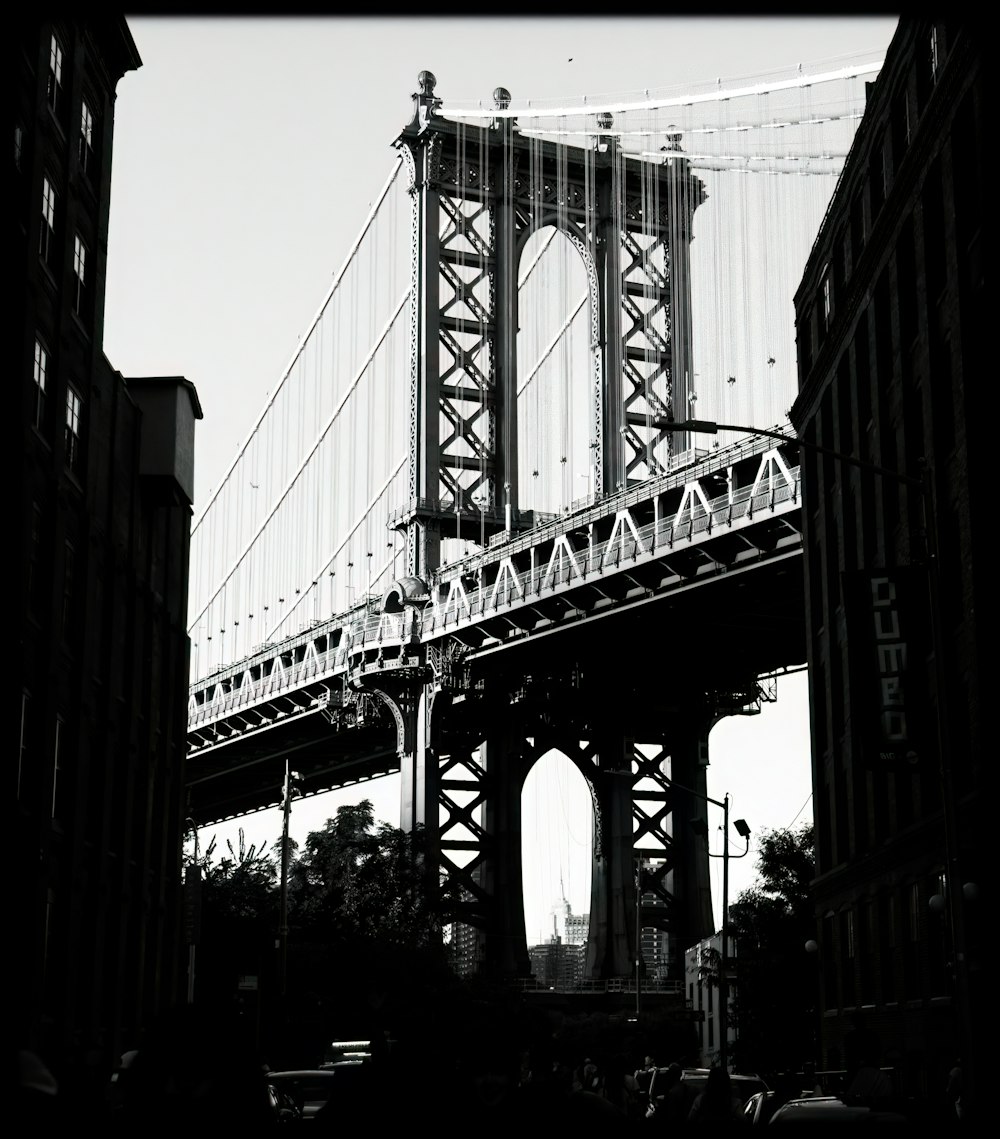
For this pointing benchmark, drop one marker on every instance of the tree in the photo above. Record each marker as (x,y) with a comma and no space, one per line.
(240,902)
(771,922)
(365,922)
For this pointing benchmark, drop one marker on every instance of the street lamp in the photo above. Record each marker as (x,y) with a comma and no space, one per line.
(699,826)
(953,889)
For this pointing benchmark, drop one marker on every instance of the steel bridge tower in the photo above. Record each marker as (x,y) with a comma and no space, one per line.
(478,193)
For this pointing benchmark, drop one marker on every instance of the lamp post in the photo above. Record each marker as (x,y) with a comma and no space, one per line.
(953,892)
(701,827)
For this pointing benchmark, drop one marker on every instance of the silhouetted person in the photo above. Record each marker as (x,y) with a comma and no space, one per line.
(953,1091)
(810,1084)
(674,1098)
(718,1105)
(196,1070)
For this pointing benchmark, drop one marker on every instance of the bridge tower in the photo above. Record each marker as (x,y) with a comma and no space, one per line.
(478,193)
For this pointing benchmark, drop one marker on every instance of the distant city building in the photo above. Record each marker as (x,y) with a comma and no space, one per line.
(558,965)
(890,322)
(655,941)
(463,949)
(559,962)
(577,926)
(701,990)
(102,520)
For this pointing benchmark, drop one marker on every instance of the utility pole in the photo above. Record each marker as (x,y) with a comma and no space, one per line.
(291,783)
(701,827)
(638,934)
(724,971)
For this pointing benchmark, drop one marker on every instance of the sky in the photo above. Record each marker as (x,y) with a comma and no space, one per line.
(247,152)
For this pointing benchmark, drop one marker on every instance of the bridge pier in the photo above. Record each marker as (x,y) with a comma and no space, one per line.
(611,949)
(691,885)
(505,946)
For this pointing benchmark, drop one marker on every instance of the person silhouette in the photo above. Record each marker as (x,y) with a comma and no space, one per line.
(718,1104)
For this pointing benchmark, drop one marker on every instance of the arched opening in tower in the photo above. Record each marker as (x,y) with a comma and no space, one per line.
(556,385)
(557,840)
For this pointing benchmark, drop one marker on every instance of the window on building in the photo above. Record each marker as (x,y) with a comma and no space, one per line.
(900,127)
(826,289)
(55,92)
(886,169)
(857,228)
(73,440)
(88,160)
(69,591)
(913,912)
(25,734)
(887,946)
(79,276)
(36,561)
(876,178)
(56,764)
(47,235)
(40,373)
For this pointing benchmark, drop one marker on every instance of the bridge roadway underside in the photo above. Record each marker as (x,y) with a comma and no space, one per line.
(652,654)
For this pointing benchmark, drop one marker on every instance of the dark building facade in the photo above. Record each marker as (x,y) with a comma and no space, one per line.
(890,319)
(103,522)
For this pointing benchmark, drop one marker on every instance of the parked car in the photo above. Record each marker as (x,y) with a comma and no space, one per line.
(694,1079)
(343,1084)
(759,1108)
(307,1089)
(812,1110)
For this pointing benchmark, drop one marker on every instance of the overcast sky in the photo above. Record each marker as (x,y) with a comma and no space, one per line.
(246,154)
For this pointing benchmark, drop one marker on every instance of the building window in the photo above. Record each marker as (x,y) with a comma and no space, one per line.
(36,562)
(87,158)
(913,908)
(74,411)
(69,591)
(47,237)
(827,291)
(41,385)
(55,81)
(56,760)
(80,275)
(23,751)
(886,170)
(876,178)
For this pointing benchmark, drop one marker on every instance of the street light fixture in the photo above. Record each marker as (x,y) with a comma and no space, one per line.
(953,889)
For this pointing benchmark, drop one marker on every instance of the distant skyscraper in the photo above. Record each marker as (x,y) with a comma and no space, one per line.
(559,961)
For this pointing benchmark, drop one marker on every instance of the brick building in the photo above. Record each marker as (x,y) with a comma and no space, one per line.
(889,319)
(103,521)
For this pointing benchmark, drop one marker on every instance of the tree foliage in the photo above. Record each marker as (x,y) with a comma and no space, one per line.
(356,880)
(774,1000)
(364,918)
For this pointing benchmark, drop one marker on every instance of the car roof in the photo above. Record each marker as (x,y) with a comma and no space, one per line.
(699,1073)
(309,1073)
(829,1107)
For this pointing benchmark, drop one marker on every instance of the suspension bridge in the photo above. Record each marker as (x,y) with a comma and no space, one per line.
(466,528)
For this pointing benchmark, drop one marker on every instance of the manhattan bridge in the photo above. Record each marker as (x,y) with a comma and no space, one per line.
(466,530)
